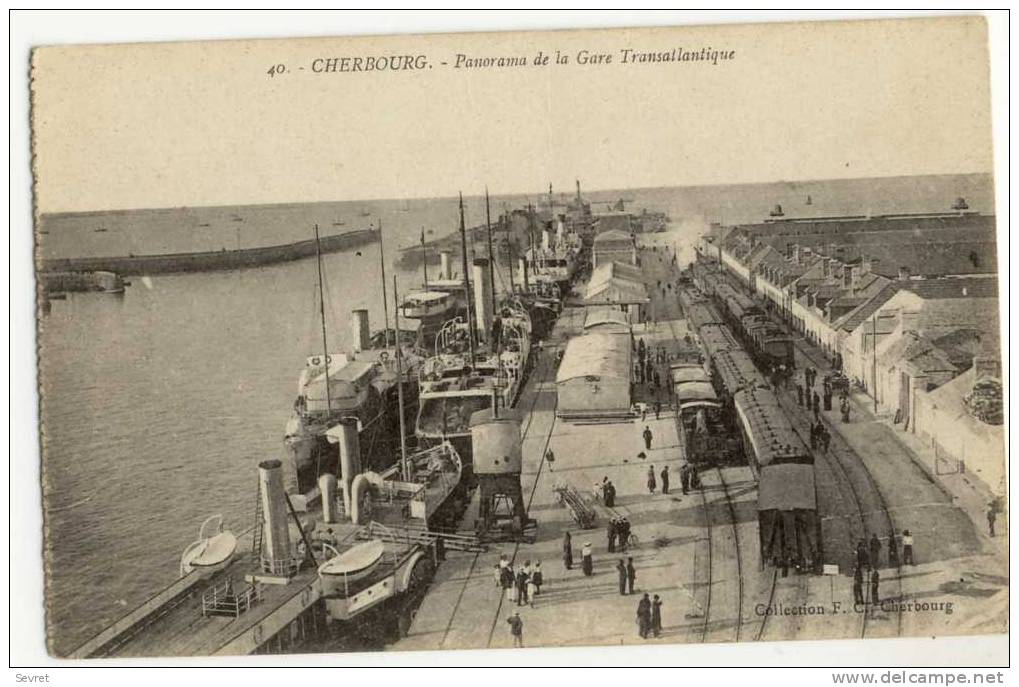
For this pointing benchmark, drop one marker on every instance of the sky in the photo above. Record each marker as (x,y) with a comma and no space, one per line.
(186,124)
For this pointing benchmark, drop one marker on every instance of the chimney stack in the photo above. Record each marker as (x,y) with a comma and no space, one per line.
(523,275)
(483,297)
(444,272)
(276,553)
(360,329)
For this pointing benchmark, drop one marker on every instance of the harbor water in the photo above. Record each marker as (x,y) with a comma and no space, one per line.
(159,402)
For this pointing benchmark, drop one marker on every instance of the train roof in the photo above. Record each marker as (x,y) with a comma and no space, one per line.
(701,314)
(716,338)
(689,392)
(768,429)
(787,487)
(737,371)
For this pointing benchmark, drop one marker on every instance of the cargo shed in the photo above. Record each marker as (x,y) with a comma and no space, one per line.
(594,377)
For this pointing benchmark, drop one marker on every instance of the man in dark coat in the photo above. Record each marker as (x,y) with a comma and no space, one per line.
(631,574)
(609,495)
(875,595)
(665,480)
(648,436)
(522,578)
(799,395)
(624,533)
(862,555)
(893,550)
(658,410)
(656,616)
(567,551)
(858,586)
(644,617)
(684,477)
(516,629)
(612,535)
(621,569)
(875,552)
(817,406)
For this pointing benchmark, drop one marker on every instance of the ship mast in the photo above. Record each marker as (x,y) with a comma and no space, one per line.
(385,299)
(466,279)
(325,344)
(404,465)
(491,255)
(424,257)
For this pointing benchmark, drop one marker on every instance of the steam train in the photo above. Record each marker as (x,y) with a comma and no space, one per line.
(741,419)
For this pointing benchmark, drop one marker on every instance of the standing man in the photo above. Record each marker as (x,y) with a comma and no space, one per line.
(665,480)
(992,515)
(631,574)
(648,436)
(658,410)
(875,552)
(644,617)
(612,535)
(799,394)
(516,629)
(684,477)
(624,533)
(893,550)
(621,569)
(858,586)
(567,551)
(651,483)
(817,407)
(907,548)
(537,578)
(862,558)
(550,458)
(875,578)
(656,616)
(586,560)
(610,495)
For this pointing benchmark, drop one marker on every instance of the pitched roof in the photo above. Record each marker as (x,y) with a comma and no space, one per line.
(596,355)
(612,235)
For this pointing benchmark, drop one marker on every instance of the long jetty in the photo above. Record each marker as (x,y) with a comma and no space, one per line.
(211,260)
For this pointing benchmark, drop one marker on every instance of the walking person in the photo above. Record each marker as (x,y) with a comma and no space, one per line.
(817,407)
(665,480)
(907,548)
(631,574)
(648,436)
(875,552)
(651,483)
(644,617)
(567,551)
(621,569)
(586,560)
(509,583)
(799,395)
(992,515)
(658,410)
(656,616)
(516,629)
(875,580)
(550,459)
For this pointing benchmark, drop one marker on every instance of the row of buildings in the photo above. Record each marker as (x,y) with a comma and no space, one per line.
(905,305)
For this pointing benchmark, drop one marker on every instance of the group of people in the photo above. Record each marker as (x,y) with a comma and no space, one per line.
(607,490)
(649,616)
(618,530)
(627,576)
(820,436)
(520,586)
(644,369)
(868,559)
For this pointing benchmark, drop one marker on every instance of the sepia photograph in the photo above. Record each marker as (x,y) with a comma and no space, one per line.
(660,336)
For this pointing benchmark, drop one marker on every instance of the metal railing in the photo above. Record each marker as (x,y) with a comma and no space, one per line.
(223,600)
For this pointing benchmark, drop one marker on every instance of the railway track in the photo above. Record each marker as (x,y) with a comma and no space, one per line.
(708,508)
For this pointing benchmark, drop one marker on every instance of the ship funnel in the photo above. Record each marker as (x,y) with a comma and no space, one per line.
(327,489)
(560,235)
(346,435)
(546,239)
(523,273)
(444,272)
(360,329)
(276,554)
(483,297)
